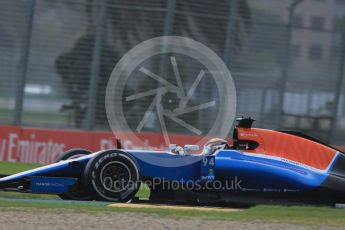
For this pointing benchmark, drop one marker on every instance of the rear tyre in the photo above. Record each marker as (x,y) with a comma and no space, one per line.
(112,175)
(79,193)
(72,154)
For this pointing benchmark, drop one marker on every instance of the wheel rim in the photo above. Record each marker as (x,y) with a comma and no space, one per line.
(116,176)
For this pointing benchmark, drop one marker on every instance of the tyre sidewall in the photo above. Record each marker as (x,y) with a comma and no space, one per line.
(92,176)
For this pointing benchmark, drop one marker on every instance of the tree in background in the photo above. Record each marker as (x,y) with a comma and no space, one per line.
(74,67)
(126,28)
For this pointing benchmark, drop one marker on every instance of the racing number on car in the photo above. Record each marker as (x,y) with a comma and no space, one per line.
(208,161)
(207,168)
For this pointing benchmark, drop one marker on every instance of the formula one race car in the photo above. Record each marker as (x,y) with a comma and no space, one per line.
(260,166)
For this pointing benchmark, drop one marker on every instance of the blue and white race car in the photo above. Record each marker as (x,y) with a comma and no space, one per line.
(260,166)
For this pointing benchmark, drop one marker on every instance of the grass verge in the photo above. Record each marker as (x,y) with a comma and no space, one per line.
(270,214)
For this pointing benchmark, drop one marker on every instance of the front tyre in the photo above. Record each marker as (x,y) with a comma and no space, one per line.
(112,175)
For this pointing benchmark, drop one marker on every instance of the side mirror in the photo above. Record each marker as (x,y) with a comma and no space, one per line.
(172,147)
(189,148)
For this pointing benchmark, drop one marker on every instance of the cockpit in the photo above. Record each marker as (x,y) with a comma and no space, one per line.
(215,144)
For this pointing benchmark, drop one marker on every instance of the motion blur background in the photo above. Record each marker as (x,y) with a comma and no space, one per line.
(286,58)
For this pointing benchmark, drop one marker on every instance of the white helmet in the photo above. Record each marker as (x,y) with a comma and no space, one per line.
(213,145)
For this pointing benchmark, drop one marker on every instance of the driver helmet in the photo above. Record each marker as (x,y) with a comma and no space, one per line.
(213,145)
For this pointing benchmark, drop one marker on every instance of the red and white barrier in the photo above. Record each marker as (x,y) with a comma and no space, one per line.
(36,145)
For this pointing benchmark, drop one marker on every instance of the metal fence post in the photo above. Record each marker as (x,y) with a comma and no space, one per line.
(168,29)
(230,31)
(24,63)
(338,87)
(286,64)
(95,67)
(169,18)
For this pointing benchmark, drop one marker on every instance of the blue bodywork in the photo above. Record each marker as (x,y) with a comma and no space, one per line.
(264,174)
(54,185)
(254,172)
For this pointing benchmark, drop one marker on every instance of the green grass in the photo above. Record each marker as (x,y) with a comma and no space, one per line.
(11,168)
(278,214)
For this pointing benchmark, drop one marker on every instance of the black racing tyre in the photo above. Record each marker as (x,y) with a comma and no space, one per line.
(80,193)
(72,154)
(112,175)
